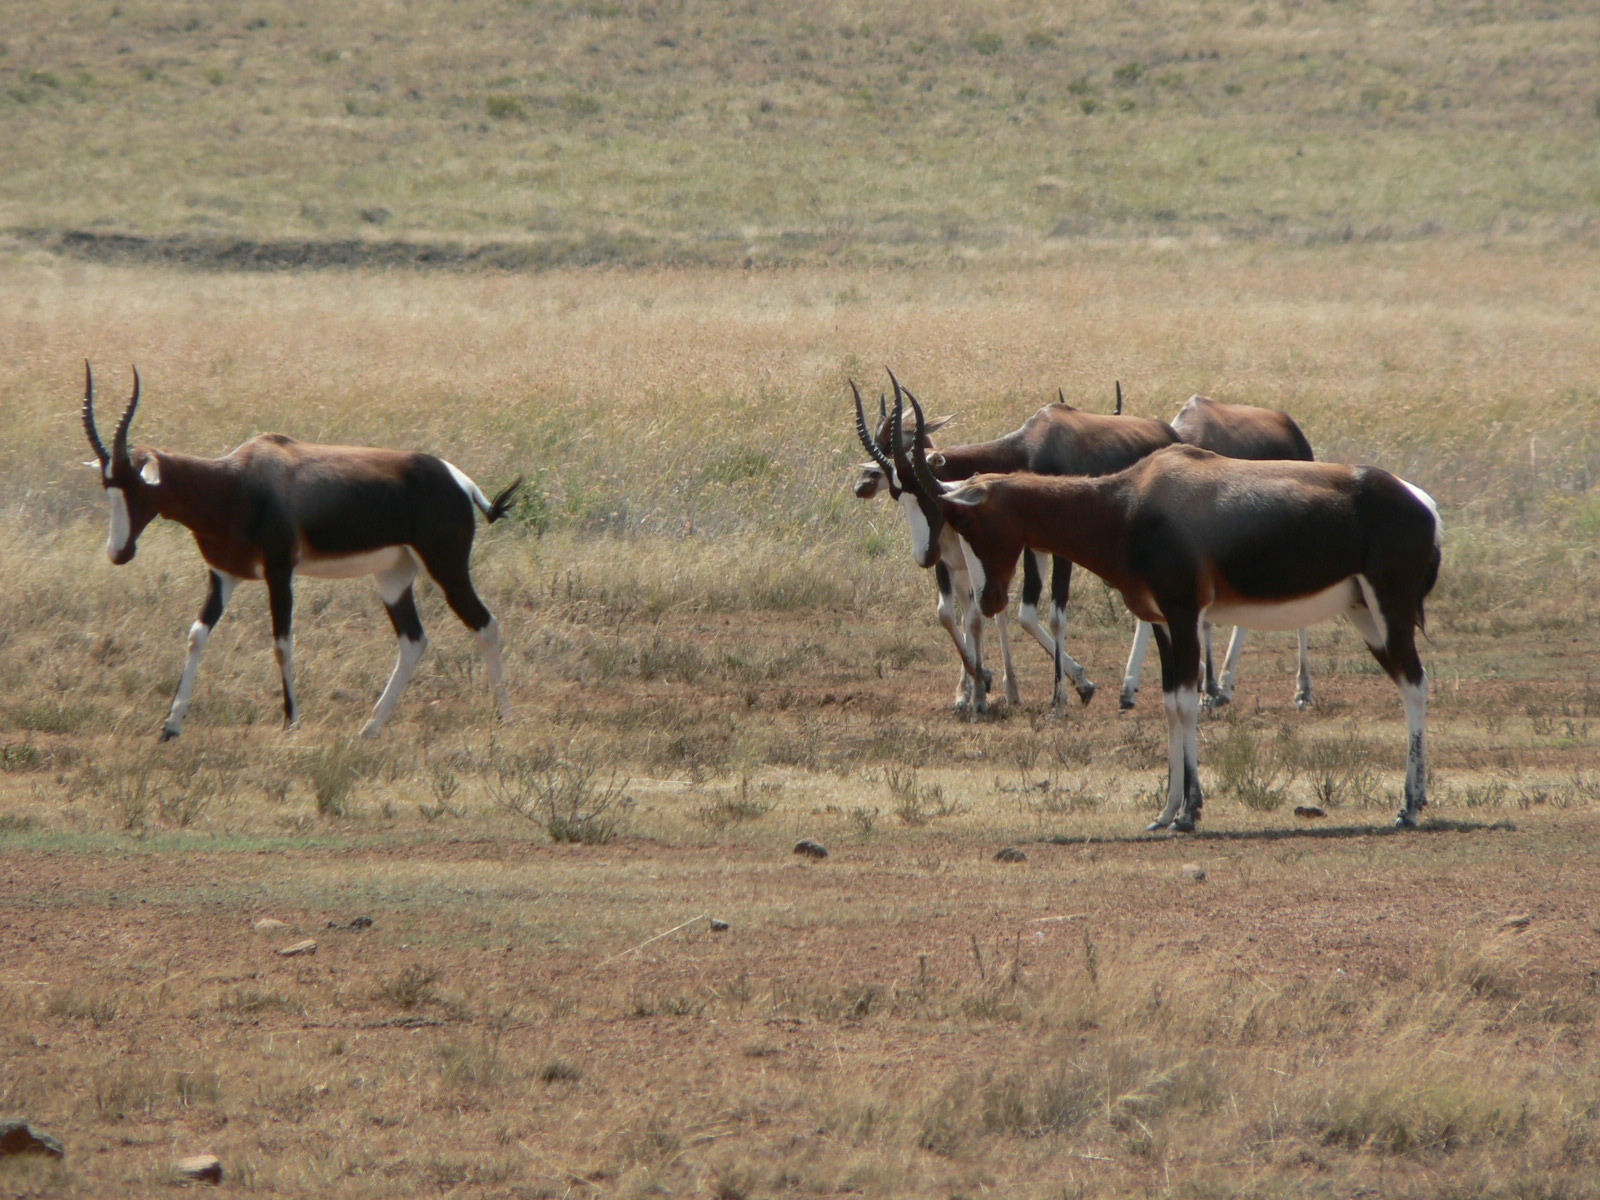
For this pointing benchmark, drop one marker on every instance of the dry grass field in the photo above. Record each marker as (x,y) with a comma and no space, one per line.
(716,650)
(590,964)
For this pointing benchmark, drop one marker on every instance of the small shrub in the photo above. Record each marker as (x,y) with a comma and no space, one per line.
(412,988)
(917,803)
(567,798)
(23,756)
(1260,781)
(99,1008)
(333,772)
(728,809)
(503,107)
(559,1070)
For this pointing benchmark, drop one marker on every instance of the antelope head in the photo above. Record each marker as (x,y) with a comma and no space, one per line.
(130,479)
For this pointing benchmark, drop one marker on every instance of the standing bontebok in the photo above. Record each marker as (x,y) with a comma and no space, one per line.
(1236,431)
(1057,440)
(277,507)
(1186,535)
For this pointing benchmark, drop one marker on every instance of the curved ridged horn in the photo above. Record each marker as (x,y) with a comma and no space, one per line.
(878,456)
(899,391)
(119,443)
(100,450)
(919,455)
(1061,397)
(883,407)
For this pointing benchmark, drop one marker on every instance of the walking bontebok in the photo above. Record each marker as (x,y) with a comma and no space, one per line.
(1236,431)
(1186,535)
(277,507)
(1056,440)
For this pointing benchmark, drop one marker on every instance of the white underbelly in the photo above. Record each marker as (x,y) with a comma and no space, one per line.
(353,566)
(1288,614)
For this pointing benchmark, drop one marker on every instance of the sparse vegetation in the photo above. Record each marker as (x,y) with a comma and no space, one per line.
(594,964)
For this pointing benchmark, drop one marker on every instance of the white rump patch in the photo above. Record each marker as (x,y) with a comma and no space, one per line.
(353,566)
(1289,614)
(464,482)
(1427,500)
(151,472)
(121,522)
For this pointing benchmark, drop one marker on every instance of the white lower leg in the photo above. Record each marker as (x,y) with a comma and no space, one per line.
(1302,690)
(1415,699)
(1230,665)
(1130,675)
(489,640)
(948,619)
(1002,630)
(1054,643)
(1176,743)
(1189,720)
(405,665)
(199,634)
(974,623)
(283,650)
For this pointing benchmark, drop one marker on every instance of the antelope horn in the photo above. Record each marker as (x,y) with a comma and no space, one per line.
(100,450)
(119,443)
(919,455)
(1119,397)
(898,392)
(878,456)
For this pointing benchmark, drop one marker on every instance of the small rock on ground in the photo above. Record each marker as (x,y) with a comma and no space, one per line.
(1309,812)
(810,849)
(718,926)
(1010,854)
(201,1168)
(18,1137)
(353,925)
(1520,921)
(269,925)
(1193,871)
(306,947)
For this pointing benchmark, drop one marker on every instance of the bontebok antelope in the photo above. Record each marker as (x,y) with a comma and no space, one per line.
(1056,440)
(1187,535)
(277,507)
(1237,431)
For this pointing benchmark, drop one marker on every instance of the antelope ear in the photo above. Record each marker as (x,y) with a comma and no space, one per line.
(937,424)
(151,471)
(969,495)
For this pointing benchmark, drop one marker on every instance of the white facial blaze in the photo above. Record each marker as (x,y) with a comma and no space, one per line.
(121,523)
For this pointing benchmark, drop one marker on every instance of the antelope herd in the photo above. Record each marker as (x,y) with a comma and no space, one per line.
(1221,515)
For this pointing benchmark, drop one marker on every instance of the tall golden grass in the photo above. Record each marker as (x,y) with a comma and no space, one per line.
(692,597)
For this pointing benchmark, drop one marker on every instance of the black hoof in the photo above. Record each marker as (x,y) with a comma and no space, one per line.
(166,735)
(1183,825)
(1124,704)
(1405,821)
(1086,692)
(1154,827)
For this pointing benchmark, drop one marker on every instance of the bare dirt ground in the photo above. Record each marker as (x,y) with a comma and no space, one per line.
(907,1017)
